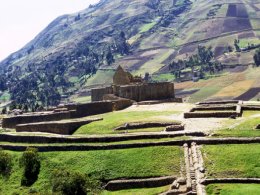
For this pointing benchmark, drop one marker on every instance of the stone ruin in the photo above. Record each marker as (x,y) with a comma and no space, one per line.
(125,90)
(127,86)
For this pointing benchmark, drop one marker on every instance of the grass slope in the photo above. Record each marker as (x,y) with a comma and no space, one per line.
(232,161)
(233,189)
(245,128)
(115,119)
(109,164)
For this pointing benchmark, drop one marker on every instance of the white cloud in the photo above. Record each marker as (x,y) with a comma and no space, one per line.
(22,20)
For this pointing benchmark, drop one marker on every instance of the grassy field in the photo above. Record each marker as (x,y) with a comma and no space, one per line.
(233,189)
(83,99)
(101,77)
(115,119)
(106,165)
(232,161)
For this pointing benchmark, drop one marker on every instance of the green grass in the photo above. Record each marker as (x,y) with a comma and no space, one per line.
(163,77)
(243,43)
(82,99)
(232,161)
(115,119)
(101,77)
(233,189)
(107,164)
(245,129)
(147,27)
(146,191)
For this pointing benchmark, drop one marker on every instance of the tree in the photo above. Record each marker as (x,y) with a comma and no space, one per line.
(257,57)
(236,44)
(109,57)
(73,183)
(4,111)
(5,163)
(30,161)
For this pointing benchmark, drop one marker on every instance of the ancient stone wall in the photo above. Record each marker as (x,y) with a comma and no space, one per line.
(146,91)
(98,93)
(89,109)
(137,92)
(66,127)
(139,183)
(11,122)
(209,114)
(119,103)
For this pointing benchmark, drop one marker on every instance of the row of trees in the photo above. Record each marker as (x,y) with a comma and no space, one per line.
(201,62)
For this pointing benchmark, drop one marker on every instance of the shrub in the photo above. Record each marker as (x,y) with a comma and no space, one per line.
(73,183)
(5,163)
(4,111)
(30,160)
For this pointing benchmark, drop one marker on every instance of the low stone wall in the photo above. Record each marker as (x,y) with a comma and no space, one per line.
(231,180)
(220,102)
(209,114)
(143,125)
(11,122)
(84,147)
(139,183)
(174,128)
(213,108)
(91,139)
(251,108)
(56,127)
(119,103)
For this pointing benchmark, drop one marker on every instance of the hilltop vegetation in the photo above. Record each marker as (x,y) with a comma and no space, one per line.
(142,36)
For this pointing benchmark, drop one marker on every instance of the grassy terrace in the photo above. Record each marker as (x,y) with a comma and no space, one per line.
(232,161)
(233,189)
(245,128)
(115,119)
(106,165)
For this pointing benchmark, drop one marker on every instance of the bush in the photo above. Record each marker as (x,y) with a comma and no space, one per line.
(73,183)
(4,111)
(30,160)
(5,163)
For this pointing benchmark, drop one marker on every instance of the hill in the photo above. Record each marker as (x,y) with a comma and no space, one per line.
(81,50)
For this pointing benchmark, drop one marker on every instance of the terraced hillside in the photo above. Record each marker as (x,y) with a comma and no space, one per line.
(208,156)
(81,50)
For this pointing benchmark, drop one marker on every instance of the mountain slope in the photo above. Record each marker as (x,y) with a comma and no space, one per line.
(141,35)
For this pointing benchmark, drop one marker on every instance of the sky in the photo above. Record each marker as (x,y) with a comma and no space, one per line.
(22,20)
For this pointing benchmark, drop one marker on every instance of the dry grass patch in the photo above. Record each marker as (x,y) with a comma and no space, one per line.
(235,89)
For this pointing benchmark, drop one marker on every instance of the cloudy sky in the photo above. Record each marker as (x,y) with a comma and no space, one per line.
(22,20)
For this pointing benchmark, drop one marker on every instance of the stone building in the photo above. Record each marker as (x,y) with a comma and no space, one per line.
(127,86)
